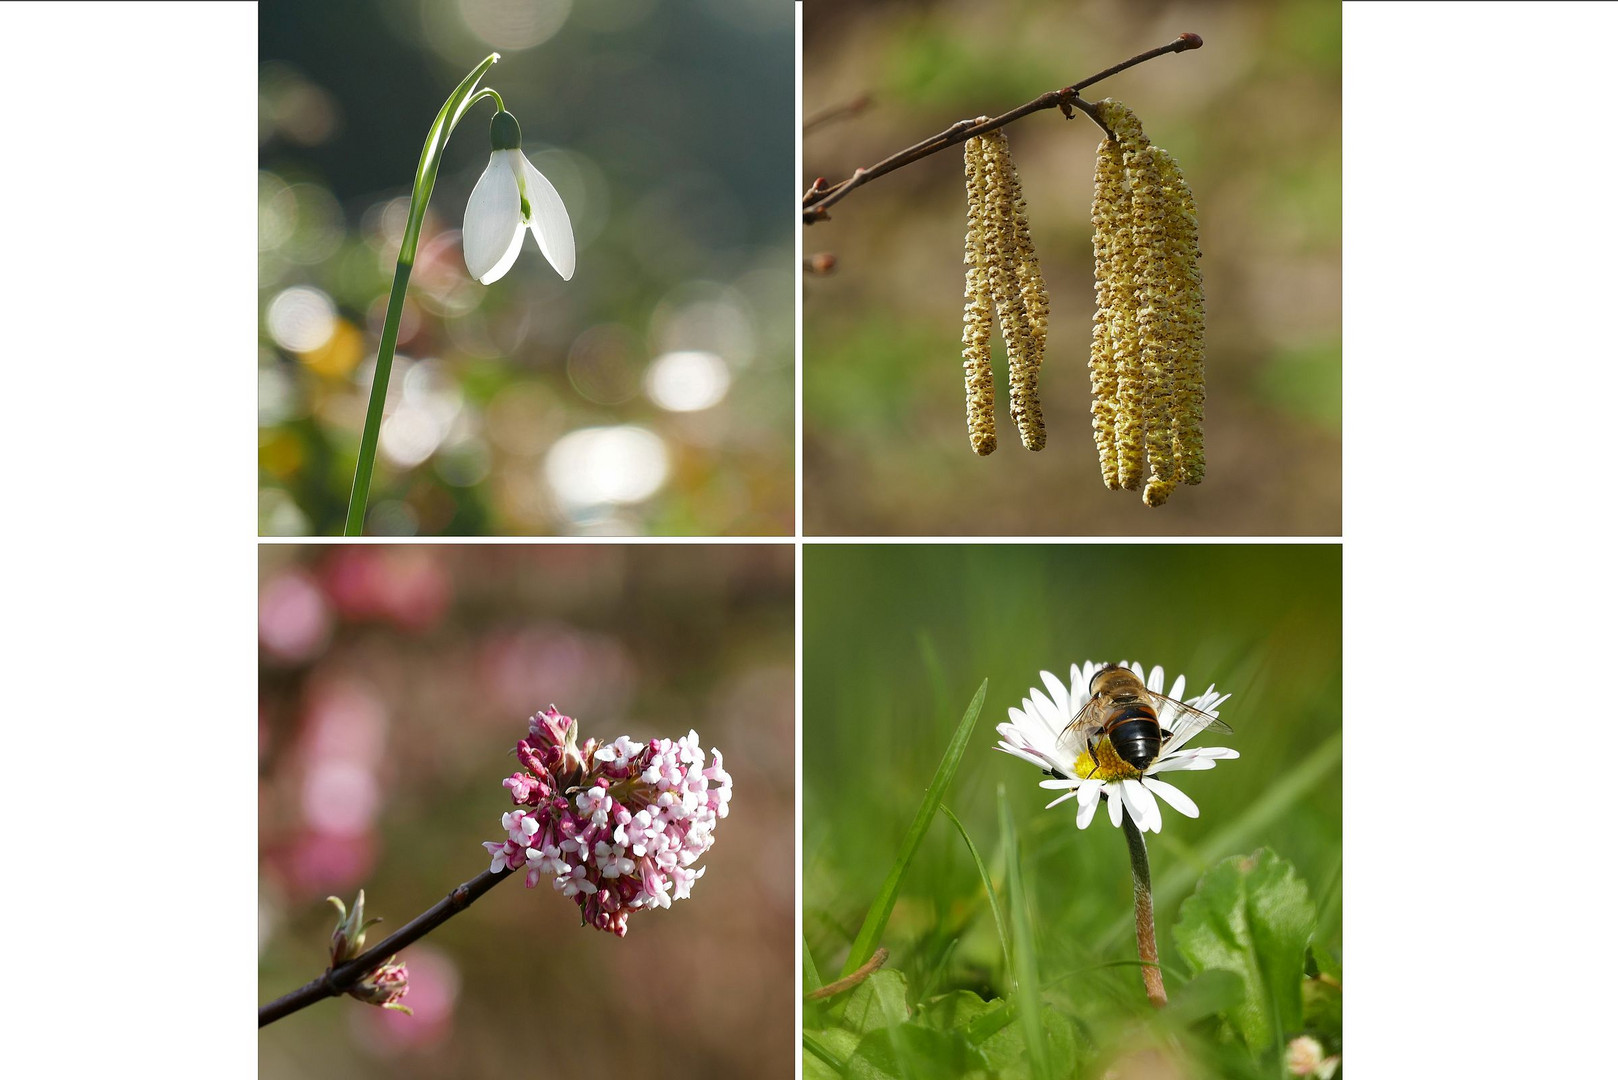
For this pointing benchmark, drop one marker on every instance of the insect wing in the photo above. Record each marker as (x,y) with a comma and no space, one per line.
(1185,721)
(1085,726)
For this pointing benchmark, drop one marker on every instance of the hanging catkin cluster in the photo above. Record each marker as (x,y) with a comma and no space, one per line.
(1003,278)
(1146,351)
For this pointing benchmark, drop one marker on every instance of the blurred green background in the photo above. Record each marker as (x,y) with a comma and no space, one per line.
(896,640)
(394,682)
(1254,117)
(653,393)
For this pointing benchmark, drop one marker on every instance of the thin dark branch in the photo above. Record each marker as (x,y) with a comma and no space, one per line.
(337,981)
(821,196)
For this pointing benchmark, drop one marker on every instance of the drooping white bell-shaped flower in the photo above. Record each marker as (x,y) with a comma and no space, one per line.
(512,196)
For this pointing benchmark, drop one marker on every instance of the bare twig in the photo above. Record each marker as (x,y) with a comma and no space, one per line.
(338,980)
(822,195)
(852,979)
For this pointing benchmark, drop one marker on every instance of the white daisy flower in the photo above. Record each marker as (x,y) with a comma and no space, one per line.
(512,196)
(1085,769)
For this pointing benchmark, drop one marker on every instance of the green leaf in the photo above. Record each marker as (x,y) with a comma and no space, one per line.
(1251,915)
(876,1003)
(911,1050)
(876,918)
(1273,805)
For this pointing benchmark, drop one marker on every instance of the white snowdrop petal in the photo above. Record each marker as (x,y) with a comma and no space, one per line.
(552,229)
(1173,796)
(493,222)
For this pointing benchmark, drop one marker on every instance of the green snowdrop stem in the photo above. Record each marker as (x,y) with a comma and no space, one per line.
(456,107)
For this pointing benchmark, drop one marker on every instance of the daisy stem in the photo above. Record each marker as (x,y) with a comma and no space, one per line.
(1145,930)
(432,152)
(338,980)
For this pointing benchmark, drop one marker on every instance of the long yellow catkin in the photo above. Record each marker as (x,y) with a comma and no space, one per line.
(1191,318)
(1023,345)
(1109,214)
(977,319)
(1129,423)
(1157,311)
(1147,349)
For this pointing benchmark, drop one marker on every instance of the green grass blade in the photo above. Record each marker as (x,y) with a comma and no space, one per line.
(1168,889)
(1025,966)
(876,919)
(988,887)
(811,974)
(822,1051)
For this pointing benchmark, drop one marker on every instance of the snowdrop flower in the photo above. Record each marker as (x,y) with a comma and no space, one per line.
(510,197)
(1039,734)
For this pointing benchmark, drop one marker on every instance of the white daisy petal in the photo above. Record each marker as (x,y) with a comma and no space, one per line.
(1115,804)
(1047,710)
(1140,673)
(1188,762)
(493,221)
(552,230)
(1064,797)
(1141,806)
(1059,695)
(1154,681)
(1032,757)
(1177,691)
(1173,796)
(1089,799)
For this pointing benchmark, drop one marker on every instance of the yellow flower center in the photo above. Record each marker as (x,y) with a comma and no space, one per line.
(1103,764)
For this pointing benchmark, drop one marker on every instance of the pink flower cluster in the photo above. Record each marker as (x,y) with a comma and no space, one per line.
(617,826)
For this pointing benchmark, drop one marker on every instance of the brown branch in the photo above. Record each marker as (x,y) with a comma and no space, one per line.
(338,980)
(821,196)
(852,979)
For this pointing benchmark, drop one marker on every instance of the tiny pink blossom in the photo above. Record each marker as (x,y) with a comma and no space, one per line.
(617,826)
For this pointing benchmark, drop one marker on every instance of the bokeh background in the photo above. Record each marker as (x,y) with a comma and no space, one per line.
(1254,117)
(897,639)
(653,393)
(394,682)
